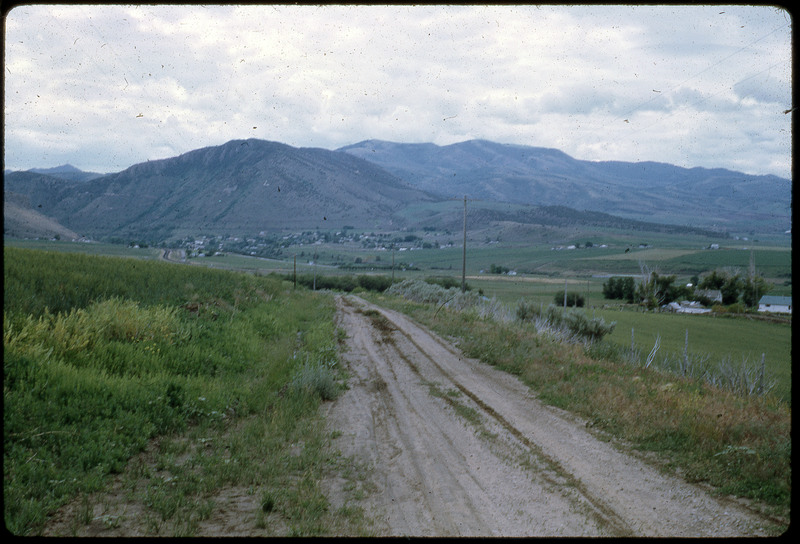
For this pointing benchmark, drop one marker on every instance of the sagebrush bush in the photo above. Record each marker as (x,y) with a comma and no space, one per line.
(572,319)
(431,293)
(316,378)
(528,311)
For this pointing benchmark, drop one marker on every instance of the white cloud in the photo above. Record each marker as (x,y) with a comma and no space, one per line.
(682,84)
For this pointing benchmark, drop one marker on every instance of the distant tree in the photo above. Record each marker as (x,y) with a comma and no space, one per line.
(654,290)
(628,289)
(668,290)
(753,289)
(713,281)
(611,289)
(497,269)
(730,289)
(573,299)
(620,288)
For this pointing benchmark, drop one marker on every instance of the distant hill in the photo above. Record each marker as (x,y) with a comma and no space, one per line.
(482,215)
(22,221)
(67,172)
(647,191)
(241,187)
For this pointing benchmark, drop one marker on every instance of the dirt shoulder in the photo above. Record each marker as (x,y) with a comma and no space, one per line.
(458,448)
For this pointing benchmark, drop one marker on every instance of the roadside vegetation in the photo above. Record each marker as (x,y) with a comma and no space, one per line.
(179,382)
(729,434)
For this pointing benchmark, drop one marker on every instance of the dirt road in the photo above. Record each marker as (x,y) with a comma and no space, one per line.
(458,448)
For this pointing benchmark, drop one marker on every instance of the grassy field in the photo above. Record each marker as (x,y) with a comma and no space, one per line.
(737,339)
(93,248)
(224,371)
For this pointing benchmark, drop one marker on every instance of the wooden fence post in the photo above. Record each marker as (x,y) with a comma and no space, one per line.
(686,353)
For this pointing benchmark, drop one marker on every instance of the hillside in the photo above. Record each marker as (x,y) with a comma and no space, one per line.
(648,191)
(21,221)
(241,187)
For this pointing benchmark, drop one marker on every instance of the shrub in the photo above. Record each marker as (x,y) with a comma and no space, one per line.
(446,282)
(317,379)
(498,269)
(429,293)
(737,308)
(571,319)
(527,311)
(374,283)
(343,283)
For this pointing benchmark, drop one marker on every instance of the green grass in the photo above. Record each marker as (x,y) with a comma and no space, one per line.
(720,337)
(104,355)
(93,248)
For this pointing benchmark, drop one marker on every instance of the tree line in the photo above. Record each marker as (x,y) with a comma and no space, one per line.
(653,290)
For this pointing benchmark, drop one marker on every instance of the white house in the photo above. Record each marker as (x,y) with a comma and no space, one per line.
(775,305)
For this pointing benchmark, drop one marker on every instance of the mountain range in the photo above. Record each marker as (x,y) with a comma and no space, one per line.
(251,186)
(646,191)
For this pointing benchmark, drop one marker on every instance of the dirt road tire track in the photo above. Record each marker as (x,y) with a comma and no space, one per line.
(458,448)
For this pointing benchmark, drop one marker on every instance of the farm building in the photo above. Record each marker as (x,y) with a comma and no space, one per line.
(686,307)
(714,295)
(777,305)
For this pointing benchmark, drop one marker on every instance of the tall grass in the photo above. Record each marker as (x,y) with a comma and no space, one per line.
(101,355)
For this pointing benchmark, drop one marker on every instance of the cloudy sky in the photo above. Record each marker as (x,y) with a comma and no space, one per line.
(106,87)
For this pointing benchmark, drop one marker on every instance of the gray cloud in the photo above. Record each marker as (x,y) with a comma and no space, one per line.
(104,87)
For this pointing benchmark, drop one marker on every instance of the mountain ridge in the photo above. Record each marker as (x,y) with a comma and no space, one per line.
(252,185)
(240,186)
(648,190)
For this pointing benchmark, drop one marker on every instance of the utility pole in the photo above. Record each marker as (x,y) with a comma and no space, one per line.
(464,253)
(295,271)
